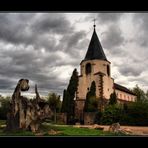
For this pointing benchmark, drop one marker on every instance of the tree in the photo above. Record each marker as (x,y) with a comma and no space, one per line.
(71,91)
(139,93)
(4,107)
(125,107)
(136,114)
(93,89)
(113,99)
(146,95)
(64,102)
(68,103)
(91,102)
(111,114)
(54,103)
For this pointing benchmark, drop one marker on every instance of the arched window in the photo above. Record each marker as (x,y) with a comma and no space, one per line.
(120,96)
(108,70)
(88,68)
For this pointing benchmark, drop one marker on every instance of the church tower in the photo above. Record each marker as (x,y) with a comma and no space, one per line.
(94,67)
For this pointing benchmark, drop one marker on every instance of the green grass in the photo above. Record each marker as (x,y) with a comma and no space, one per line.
(2,122)
(62,130)
(14,133)
(74,131)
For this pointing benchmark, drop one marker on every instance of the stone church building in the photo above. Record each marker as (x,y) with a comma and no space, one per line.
(96,67)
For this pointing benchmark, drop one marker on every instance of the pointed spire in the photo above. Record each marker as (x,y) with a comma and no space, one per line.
(95,50)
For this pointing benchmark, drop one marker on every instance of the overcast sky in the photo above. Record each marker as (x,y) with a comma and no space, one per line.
(46,47)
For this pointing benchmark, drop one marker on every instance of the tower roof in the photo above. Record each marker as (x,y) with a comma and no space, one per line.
(95,50)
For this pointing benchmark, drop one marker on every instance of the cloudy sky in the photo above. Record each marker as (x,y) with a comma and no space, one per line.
(46,47)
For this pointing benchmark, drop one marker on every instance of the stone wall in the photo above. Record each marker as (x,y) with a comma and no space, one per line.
(62,118)
(89,118)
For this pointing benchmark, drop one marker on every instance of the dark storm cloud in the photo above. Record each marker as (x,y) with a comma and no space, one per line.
(53,85)
(52,23)
(129,71)
(45,48)
(141,22)
(132,67)
(75,38)
(112,37)
(15,30)
(74,42)
(104,18)
(5,83)
(29,48)
(33,29)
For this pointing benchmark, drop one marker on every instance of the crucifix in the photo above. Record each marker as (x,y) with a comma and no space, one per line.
(94,22)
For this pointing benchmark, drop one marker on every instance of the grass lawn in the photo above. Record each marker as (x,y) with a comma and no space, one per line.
(57,130)
(2,122)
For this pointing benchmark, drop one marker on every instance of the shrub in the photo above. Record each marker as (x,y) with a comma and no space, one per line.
(136,114)
(111,114)
(98,118)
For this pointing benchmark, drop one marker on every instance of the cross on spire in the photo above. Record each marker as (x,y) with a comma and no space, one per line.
(94,22)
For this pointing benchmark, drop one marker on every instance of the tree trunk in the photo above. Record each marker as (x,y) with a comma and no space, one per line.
(55,116)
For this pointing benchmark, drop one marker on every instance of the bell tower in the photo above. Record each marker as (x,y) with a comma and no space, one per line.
(94,67)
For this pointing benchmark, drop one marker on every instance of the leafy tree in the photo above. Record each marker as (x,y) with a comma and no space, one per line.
(146,95)
(132,113)
(98,116)
(54,103)
(4,107)
(139,93)
(91,102)
(113,99)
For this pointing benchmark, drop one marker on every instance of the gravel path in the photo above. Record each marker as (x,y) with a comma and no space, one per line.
(135,130)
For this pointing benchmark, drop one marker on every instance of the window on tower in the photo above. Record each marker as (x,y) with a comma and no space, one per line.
(88,68)
(108,70)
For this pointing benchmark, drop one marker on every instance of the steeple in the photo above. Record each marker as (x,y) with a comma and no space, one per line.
(95,50)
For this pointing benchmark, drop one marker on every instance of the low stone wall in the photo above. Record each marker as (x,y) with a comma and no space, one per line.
(62,118)
(89,118)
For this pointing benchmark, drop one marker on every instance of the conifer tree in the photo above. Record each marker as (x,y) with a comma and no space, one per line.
(91,103)
(69,95)
(113,99)
(93,89)
(64,102)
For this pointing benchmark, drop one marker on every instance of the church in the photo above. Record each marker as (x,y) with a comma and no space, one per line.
(96,67)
